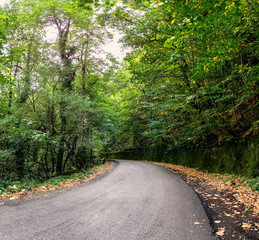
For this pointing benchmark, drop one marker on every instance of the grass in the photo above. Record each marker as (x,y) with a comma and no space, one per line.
(10,187)
(233,180)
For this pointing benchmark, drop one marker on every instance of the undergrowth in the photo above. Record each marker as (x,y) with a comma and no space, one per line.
(25,185)
(233,180)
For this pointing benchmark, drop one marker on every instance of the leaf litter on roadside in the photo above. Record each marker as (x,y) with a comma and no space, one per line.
(232,206)
(51,184)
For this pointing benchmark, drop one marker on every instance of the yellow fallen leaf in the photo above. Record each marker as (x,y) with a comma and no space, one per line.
(246,225)
(220,232)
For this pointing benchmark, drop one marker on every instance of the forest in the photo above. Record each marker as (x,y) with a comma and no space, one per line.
(188,88)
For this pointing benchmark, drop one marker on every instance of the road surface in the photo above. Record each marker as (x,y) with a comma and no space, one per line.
(136,200)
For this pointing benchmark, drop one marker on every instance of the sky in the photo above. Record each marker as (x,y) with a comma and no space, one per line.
(113,47)
(2,2)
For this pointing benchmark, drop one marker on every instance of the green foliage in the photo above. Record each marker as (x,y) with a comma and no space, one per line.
(26,184)
(253,184)
(229,159)
(195,66)
(54,115)
(190,81)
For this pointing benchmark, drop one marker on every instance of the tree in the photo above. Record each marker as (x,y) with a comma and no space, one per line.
(53,122)
(196,64)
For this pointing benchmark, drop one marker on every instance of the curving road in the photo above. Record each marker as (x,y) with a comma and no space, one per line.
(136,200)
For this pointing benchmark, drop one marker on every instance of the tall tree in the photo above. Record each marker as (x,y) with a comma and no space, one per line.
(54,117)
(197,65)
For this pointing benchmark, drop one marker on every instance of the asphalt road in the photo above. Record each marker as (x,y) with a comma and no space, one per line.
(136,200)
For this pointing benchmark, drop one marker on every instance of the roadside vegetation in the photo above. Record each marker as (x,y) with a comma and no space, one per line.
(28,188)
(193,83)
(54,88)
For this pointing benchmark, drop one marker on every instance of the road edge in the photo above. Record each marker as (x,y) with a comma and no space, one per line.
(52,193)
(206,209)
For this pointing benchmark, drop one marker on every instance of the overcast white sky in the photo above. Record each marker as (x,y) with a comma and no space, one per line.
(113,47)
(2,2)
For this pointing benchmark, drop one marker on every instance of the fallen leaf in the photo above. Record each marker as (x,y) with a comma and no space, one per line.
(246,225)
(220,232)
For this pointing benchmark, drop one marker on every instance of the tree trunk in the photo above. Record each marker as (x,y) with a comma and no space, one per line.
(61,147)
(27,81)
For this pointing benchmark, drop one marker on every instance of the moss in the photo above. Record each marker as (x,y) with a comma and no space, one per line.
(241,159)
